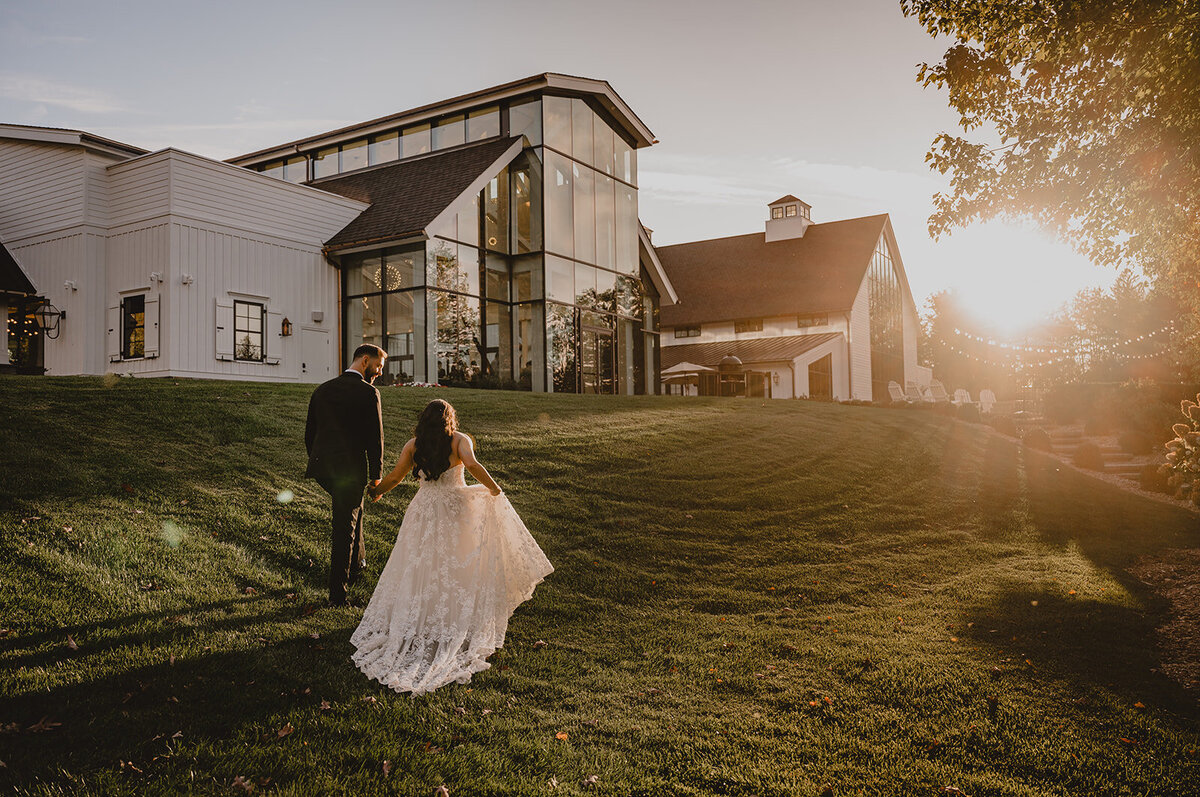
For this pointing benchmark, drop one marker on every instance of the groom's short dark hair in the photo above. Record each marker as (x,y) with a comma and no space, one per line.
(368,350)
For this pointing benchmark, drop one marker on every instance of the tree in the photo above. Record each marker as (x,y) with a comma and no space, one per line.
(1097,107)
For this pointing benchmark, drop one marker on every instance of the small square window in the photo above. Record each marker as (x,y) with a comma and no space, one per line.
(687,332)
(777,213)
(748,325)
(791,211)
(133,327)
(812,320)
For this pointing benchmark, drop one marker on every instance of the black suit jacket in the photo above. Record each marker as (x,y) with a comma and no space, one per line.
(344,432)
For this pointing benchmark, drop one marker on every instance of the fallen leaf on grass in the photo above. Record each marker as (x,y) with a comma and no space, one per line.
(486,711)
(1139,704)
(590,780)
(42,725)
(590,723)
(460,710)
(541,643)
(387,767)
(250,591)
(325,705)
(562,735)
(71,643)
(241,783)
(285,730)
(369,699)
(441,791)
(1130,742)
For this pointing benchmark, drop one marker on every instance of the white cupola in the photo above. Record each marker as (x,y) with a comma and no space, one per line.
(787,218)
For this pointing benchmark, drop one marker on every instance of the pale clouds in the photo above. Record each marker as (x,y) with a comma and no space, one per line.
(220,140)
(42,91)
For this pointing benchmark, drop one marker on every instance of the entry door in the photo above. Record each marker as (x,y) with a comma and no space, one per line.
(316,358)
(598,372)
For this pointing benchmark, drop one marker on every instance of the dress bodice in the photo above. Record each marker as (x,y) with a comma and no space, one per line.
(454,476)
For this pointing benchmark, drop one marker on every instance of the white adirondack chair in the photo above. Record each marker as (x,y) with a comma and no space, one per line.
(912,391)
(937,391)
(895,392)
(961,397)
(987,400)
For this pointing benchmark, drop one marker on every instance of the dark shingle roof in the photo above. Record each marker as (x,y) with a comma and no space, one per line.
(746,277)
(12,276)
(789,198)
(407,196)
(754,350)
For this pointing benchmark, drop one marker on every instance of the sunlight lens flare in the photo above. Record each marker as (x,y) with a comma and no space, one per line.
(285,496)
(172,535)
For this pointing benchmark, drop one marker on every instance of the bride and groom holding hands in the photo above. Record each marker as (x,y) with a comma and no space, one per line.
(462,560)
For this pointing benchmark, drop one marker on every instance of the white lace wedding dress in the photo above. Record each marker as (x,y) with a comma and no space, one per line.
(462,563)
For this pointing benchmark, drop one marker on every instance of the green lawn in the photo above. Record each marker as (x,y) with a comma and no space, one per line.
(750,598)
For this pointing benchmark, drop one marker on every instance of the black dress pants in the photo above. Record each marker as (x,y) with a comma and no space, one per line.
(347,549)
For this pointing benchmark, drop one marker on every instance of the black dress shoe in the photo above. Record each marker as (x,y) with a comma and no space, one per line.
(357,571)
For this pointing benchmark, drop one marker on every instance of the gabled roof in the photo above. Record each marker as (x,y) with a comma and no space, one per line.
(753,350)
(649,256)
(408,196)
(790,198)
(69,137)
(551,82)
(745,277)
(12,277)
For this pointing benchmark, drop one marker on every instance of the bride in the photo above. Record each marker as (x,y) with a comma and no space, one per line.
(462,563)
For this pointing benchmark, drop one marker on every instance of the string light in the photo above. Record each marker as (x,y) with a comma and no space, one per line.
(1169,326)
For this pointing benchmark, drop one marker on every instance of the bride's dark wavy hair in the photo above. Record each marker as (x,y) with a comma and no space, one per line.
(434,433)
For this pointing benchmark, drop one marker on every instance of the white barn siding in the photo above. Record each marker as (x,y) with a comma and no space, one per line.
(131,257)
(139,191)
(42,190)
(860,346)
(51,262)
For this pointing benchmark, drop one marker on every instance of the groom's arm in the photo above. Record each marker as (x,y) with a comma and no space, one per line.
(375,442)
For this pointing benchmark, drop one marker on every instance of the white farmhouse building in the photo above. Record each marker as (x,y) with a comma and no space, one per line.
(490,239)
(799,310)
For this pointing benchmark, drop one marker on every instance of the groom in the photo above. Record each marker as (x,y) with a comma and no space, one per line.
(344,438)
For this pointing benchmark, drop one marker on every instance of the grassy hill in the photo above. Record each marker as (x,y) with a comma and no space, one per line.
(750,598)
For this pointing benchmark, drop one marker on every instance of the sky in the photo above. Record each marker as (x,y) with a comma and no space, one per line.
(749,100)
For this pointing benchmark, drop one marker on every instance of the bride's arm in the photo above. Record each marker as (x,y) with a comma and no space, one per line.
(466,452)
(398,473)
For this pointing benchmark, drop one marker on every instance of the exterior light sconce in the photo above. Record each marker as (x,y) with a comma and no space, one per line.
(186,279)
(286,328)
(318,316)
(48,317)
(70,285)
(775,377)
(156,276)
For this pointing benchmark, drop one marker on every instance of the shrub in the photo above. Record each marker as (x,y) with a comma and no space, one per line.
(1154,478)
(1089,457)
(969,413)
(1134,442)
(1183,453)
(1003,424)
(1037,439)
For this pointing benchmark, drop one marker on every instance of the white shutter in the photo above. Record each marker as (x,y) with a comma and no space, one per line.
(273,336)
(224,340)
(113,338)
(151,329)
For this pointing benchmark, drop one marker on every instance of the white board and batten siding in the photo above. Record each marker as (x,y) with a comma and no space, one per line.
(229,235)
(43,190)
(860,345)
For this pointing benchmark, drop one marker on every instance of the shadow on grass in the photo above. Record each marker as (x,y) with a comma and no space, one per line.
(133,716)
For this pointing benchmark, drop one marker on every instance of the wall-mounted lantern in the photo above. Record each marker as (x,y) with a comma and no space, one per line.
(48,317)
(286,328)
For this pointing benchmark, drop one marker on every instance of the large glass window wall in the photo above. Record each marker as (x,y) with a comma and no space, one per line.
(885,308)
(532,284)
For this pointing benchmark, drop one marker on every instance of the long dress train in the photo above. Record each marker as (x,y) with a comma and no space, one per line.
(462,563)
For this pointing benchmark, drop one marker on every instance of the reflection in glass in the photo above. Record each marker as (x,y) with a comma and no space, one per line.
(623,160)
(560,279)
(525,174)
(495,213)
(530,346)
(325,162)
(625,357)
(626,229)
(605,221)
(364,323)
(603,146)
(453,266)
(354,156)
(557,115)
(629,296)
(405,337)
(560,226)
(585,285)
(274,169)
(384,148)
(606,291)
(527,278)
(415,141)
(484,123)
(295,170)
(585,213)
(497,343)
(525,119)
(449,132)
(459,351)
(497,277)
(581,131)
(562,344)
